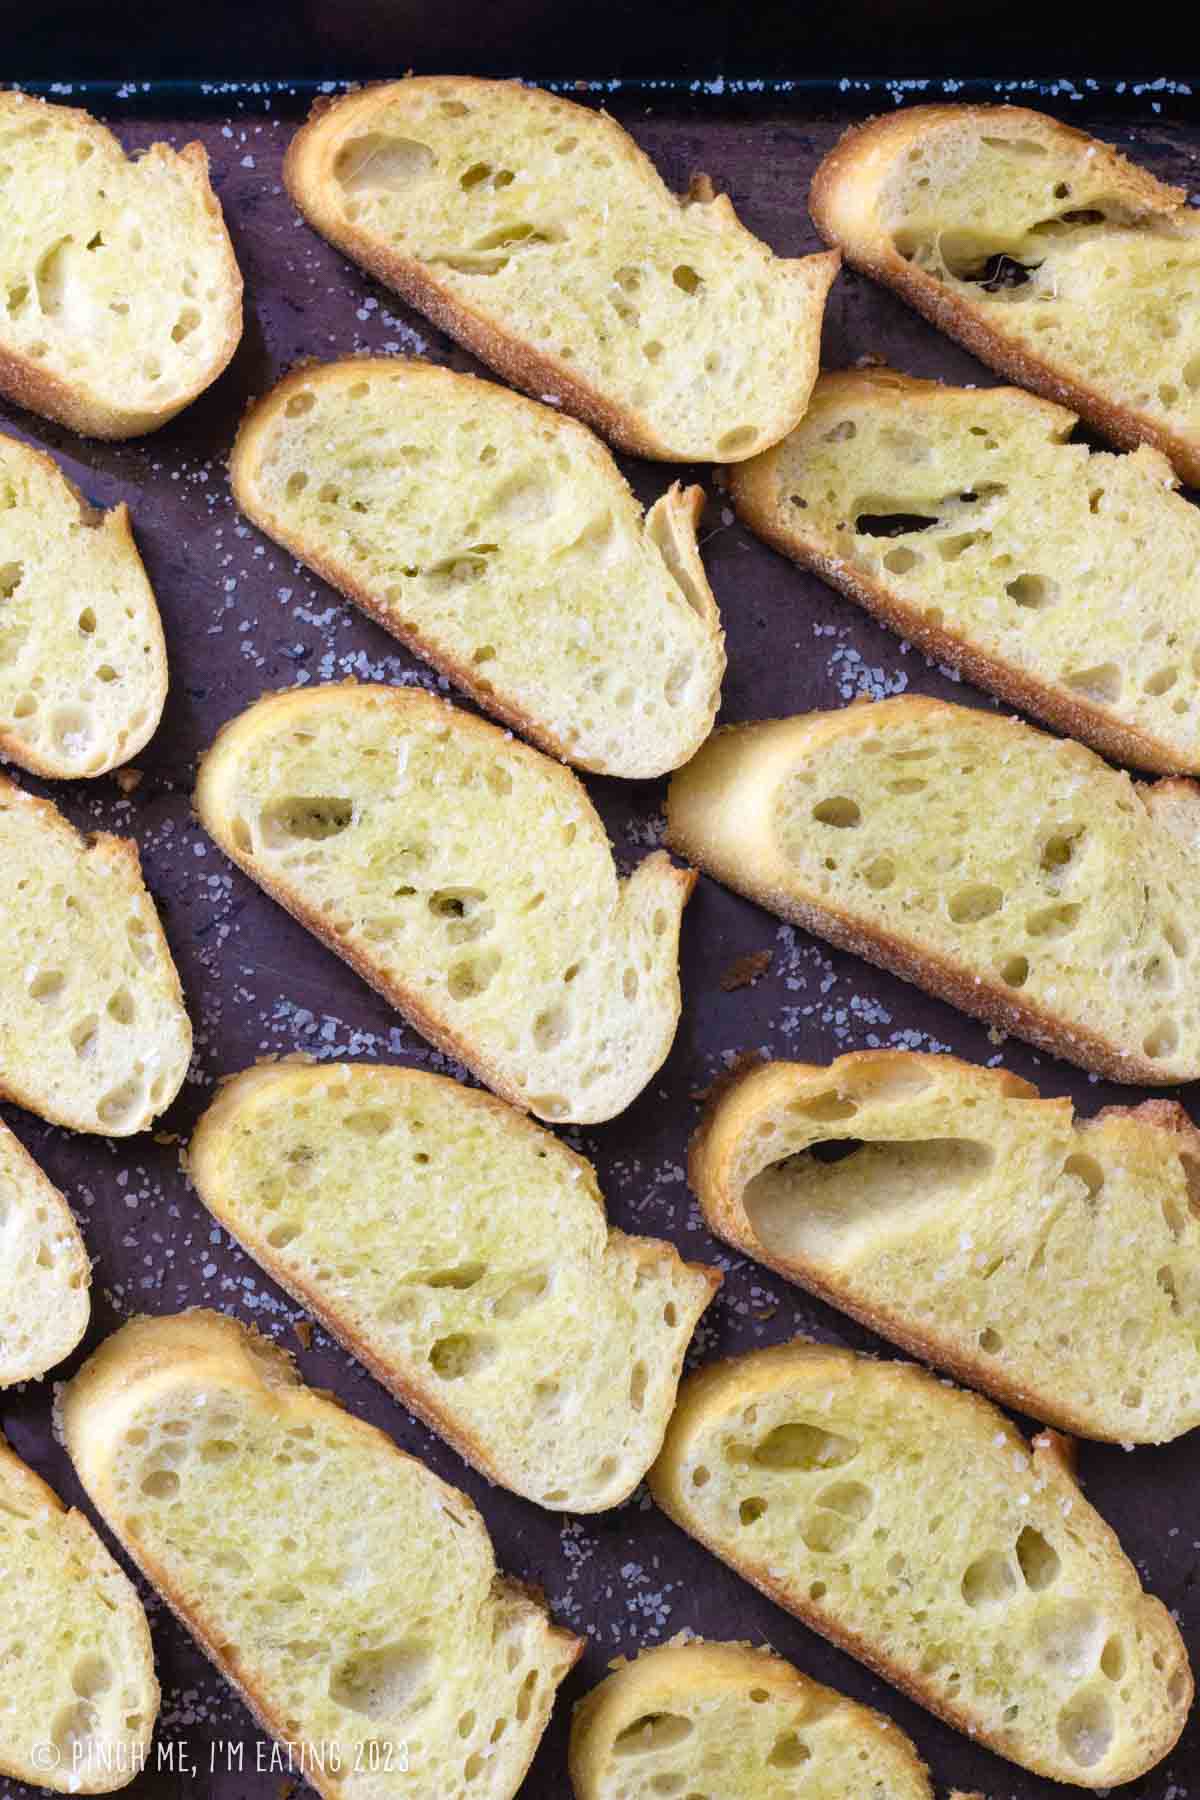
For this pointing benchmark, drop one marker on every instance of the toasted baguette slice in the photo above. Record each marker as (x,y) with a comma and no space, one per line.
(968,1213)
(44,1269)
(83,665)
(1013,874)
(79,1697)
(1041,249)
(912,1524)
(94,1034)
(122,297)
(461,1251)
(500,540)
(728,1720)
(1062,579)
(465,876)
(349,1595)
(538,234)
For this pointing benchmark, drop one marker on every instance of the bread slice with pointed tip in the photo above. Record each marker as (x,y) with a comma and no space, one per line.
(80,1698)
(83,665)
(500,540)
(120,297)
(462,1253)
(1043,250)
(465,876)
(44,1272)
(727,1719)
(1061,578)
(538,234)
(349,1595)
(966,1212)
(1011,873)
(94,1033)
(913,1525)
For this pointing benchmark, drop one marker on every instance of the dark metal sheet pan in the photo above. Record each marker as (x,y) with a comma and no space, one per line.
(241,617)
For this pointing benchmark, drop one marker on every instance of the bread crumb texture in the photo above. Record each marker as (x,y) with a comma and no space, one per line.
(1006,225)
(120,298)
(468,877)
(465,1252)
(350,1594)
(78,1666)
(1014,873)
(498,538)
(724,1719)
(83,665)
(94,1034)
(912,1524)
(44,1271)
(956,1211)
(969,520)
(536,231)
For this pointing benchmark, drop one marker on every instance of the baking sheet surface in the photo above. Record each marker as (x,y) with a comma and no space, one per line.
(241,617)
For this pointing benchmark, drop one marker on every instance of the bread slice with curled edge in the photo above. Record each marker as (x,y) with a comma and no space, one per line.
(1061,578)
(44,1274)
(83,665)
(462,1253)
(1051,256)
(80,1698)
(499,539)
(94,1033)
(538,234)
(726,1720)
(120,297)
(964,1213)
(1011,873)
(909,1522)
(349,1595)
(464,875)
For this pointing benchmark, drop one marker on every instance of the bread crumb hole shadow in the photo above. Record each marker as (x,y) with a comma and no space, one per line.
(788,1752)
(972,904)
(1039,1561)
(1032,591)
(1085,1728)
(839,811)
(652,1732)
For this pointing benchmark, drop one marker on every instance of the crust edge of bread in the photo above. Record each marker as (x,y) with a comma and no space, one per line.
(103,1368)
(968,325)
(418,1399)
(980,998)
(534,371)
(683,504)
(1048,1450)
(657,866)
(754,489)
(719,1134)
(29,385)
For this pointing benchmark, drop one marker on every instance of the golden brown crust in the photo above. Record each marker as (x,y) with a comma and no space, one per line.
(90,1551)
(669,1676)
(980,996)
(953,314)
(406,1000)
(30,385)
(119,521)
(688,502)
(729,1122)
(418,1400)
(757,1371)
(519,362)
(119,1363)
(755,492)
(123,854)
(79,1260)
